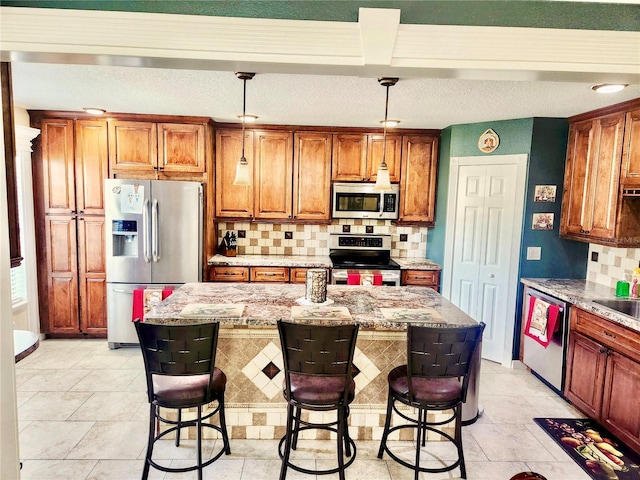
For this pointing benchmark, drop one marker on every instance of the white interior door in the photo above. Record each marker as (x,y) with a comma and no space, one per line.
(484,224)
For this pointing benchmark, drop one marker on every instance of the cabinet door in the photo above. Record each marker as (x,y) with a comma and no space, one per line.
(312,176)
(605,177)
(58,171)
(133,146)
(576,178)
(273,173)
(349,158)
(92,275)
(62,274)
(620,412)
(631,150)
(418,180)
(298,275)
(586,362)
(91,165)
(374,156)
(181,147)
(233,201)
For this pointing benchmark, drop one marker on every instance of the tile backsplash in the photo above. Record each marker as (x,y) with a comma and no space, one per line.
(613,264)
(273,238)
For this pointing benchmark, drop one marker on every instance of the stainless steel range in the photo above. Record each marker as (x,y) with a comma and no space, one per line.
(362,260)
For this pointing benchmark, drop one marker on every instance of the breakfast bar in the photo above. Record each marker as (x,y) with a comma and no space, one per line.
(249,347)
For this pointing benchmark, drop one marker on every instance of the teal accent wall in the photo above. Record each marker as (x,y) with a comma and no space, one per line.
(544,140)
(522,13)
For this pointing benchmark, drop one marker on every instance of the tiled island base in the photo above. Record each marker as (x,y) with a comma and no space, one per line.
(252,361)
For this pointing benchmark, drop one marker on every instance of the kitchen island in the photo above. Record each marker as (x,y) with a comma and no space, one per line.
(249,347)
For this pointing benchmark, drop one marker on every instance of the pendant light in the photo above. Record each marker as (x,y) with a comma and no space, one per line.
(383,182)
(242,167)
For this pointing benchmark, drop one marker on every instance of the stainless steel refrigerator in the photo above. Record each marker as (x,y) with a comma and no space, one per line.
(153,240)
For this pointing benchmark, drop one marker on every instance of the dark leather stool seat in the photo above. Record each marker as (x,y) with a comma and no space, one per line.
(180,368)
(318,361)
(436,377)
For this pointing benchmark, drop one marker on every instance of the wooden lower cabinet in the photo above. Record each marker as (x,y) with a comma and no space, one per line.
(259,274)
(423,278)
(229,274)
(269,274)
(603,374)
(75,277)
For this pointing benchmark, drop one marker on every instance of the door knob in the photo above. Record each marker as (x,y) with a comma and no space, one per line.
(491,275)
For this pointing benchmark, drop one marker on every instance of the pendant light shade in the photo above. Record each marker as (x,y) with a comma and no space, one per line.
(243,176)
(383,182)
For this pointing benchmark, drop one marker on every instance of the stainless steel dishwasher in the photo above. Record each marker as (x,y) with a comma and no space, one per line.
(547,363)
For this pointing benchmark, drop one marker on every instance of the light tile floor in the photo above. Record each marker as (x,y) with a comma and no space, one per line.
(83,416)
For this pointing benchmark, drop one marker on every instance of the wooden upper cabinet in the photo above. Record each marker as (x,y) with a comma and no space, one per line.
(349,157)
(374,156)
(58,170)
(312,176)
(181,147)
(136,146)
(418,180)
(592,179)
(272,174)
(233,201)
(133,145)
(91,165)
(631,150)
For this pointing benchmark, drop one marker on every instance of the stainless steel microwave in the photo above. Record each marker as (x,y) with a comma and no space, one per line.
(360,200)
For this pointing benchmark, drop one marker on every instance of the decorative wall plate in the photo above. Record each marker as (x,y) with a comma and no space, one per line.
(488,141)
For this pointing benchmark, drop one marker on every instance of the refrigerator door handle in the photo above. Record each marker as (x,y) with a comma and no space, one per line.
(154,232)
(145,231)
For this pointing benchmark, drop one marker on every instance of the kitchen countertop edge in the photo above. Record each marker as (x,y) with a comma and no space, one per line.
(304,261)
(582,293)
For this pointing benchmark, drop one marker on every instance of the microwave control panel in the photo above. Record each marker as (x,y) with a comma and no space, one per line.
(389,202)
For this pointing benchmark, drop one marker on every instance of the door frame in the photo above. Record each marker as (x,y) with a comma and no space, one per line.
(521,161)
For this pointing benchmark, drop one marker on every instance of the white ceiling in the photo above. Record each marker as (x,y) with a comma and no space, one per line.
(295,99)
(310,73)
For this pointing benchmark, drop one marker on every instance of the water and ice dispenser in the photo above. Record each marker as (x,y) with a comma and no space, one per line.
(124,235)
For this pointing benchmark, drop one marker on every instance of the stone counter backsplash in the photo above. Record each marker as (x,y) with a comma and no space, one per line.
(272,238)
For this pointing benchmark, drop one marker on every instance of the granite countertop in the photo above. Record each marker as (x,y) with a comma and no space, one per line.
(417,264)
(266,303)
(304,261)
(581,293)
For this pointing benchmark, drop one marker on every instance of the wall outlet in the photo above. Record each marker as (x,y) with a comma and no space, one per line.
(533,253)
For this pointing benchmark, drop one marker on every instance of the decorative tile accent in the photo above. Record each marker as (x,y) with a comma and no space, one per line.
(261,370)
(613,264)
(268,239)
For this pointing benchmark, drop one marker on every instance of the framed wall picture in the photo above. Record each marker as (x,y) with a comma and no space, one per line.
(545,193)
(542,221)
(488,141)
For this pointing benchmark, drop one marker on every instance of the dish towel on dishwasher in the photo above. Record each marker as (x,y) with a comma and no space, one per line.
(145,298)
(542,319)
(354,278)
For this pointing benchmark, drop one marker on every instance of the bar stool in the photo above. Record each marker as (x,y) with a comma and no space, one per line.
(180,368)
(318,361)
(436,377)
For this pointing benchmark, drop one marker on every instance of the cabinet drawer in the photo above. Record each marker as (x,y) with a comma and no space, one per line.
(269,274)
(299,275)
(428,278)
(230,274)
(608,333)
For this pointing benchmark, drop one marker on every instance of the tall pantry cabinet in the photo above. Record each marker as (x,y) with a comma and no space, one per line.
(70,163)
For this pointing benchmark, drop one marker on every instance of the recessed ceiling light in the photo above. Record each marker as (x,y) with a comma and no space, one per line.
(390,123)
(608,87)
(248,118)
(94,111)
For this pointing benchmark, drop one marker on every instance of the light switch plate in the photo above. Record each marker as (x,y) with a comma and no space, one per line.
(533,253)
